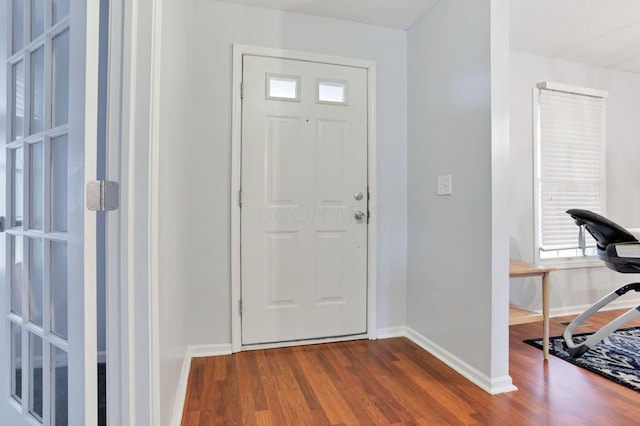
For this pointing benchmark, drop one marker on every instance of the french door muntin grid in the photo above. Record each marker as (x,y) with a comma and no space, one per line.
(36,48)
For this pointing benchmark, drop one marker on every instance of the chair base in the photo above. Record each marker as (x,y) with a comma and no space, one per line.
(576,350)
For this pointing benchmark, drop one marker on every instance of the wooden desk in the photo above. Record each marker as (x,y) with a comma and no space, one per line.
(518,315)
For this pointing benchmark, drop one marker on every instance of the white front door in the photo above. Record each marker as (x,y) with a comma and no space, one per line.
(304,209)
(47,252)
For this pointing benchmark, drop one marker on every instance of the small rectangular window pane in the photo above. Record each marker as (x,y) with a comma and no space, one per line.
(35,362)
(16,274)
(60,79)
(283,87)
(36,185)
(16,361)
(17,100)
(37,18)
(58,266)
(334,92)
(60,10)
(59,387)
(17,192)
(17,39)
(59,184)
(36,280)
(37,91)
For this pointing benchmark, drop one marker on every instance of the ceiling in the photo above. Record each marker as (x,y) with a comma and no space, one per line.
(399,14)
(603,33)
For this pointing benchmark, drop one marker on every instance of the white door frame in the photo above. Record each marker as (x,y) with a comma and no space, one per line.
(132,286)
(236,156)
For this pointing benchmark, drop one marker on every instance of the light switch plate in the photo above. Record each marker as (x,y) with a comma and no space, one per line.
(444,185)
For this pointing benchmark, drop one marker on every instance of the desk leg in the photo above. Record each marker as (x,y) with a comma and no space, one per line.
(545,314)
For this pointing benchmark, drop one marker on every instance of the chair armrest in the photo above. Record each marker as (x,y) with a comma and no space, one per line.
(628,250)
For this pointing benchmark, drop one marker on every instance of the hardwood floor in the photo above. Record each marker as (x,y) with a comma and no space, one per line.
(394,382)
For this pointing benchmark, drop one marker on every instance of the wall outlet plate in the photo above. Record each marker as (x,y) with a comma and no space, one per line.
(444,185)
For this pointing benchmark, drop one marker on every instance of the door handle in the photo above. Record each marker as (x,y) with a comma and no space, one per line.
(359,215)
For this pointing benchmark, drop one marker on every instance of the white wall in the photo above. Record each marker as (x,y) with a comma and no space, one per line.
(450,241)
(206,149)
(181,266)
(572,289)
(195,161)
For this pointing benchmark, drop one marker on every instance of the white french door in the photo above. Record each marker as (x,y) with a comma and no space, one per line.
(49,74)
(304,214)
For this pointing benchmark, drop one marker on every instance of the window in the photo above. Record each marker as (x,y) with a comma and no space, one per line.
(331,92)
(569,165)
(283,87)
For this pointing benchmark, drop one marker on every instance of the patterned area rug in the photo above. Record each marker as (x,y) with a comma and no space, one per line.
(617,357)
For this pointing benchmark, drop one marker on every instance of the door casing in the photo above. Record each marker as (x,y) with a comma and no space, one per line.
(236,156)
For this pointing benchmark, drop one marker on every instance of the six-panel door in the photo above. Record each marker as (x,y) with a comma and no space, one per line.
(304,200)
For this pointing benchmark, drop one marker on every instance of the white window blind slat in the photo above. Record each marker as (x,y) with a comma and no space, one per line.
(571,138)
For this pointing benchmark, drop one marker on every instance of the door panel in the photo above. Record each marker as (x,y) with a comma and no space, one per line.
(47,310)
(304,156)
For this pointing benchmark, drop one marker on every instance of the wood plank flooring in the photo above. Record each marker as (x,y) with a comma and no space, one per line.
(394,382)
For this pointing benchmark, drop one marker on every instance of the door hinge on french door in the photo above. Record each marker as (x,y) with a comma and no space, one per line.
(102,195)
(240,198)
(241,90)
(240,303)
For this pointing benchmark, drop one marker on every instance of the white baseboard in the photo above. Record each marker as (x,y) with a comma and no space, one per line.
(621,303)
(389,332)
(198,351)
(194,351)
(181,392)
(492,386)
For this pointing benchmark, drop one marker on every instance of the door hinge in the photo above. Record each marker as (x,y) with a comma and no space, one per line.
(102,195)
(240,198)
(240,305)
(241,90)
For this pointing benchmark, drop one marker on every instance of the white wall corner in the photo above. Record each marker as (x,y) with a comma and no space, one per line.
(194,351)
(492,386)
(500,115)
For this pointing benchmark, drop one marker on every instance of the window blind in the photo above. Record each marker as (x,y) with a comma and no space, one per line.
(571,164)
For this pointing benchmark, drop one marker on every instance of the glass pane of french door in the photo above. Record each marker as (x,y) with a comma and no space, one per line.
(42,147)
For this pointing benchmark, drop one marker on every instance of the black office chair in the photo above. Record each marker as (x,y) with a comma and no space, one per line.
(620,251)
